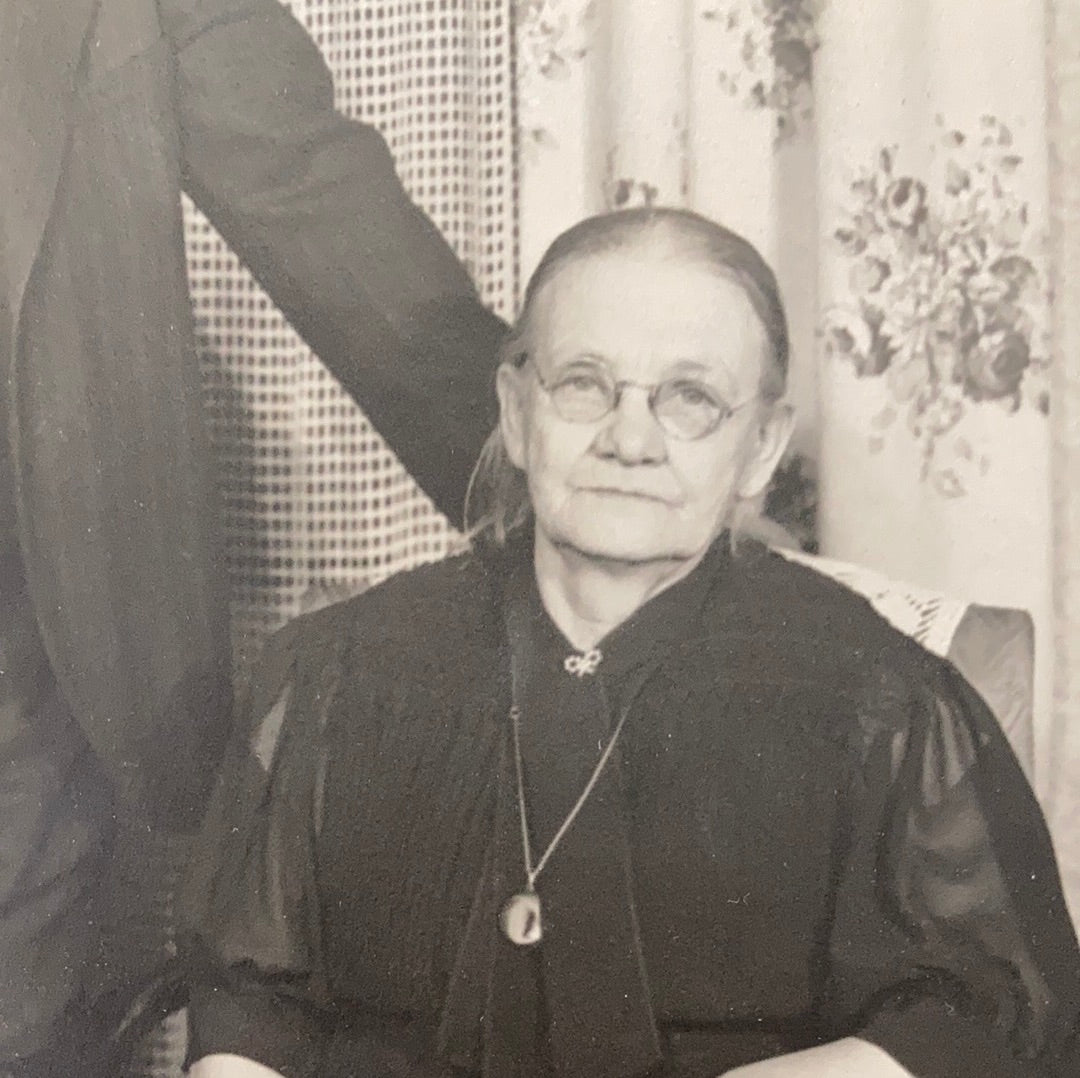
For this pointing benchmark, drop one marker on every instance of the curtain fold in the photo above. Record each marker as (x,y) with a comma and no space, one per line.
(934,212)
(1063,52)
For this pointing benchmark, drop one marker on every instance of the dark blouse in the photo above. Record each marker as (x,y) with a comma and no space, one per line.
(810,828)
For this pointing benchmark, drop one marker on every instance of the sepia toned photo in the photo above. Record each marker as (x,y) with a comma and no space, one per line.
(539,538)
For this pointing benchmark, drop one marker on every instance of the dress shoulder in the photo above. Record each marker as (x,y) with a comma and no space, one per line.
(408,612)
(783,623)
(950,934)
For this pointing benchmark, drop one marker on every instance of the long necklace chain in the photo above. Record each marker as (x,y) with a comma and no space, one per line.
(533,871)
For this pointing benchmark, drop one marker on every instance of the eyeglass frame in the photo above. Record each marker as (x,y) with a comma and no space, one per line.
(618,385)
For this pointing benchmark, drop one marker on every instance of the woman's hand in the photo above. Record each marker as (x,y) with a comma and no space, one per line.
(849,1058)
(229,1066)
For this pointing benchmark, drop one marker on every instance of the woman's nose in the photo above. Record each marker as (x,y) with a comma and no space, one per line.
(631,433)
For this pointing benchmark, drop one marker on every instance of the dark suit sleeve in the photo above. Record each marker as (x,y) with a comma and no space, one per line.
(312,203)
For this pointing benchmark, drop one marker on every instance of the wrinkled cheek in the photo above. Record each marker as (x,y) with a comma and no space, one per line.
(554,457)
(713,504)
(552,502)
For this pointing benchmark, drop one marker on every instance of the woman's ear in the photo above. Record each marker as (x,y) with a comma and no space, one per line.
(773,434)
(512,392)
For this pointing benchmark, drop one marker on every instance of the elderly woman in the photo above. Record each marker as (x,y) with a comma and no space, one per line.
(615,792)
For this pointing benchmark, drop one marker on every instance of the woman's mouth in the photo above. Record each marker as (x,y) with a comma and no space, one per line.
(627,492)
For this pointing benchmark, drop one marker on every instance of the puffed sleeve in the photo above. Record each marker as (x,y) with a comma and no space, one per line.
(250,904)
(950,939)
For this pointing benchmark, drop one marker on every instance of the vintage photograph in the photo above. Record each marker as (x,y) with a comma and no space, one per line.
(539,539)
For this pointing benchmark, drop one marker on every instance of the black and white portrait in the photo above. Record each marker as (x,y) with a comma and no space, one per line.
(538,538)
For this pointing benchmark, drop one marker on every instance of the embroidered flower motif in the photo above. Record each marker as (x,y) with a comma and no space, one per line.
(943,296)
(905,204)
(869,274)
(551,37)
(777,41)
(548,35)
(850,334)
(995,368)
(622,193)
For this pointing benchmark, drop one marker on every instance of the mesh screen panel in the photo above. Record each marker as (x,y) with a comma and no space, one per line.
(315,504)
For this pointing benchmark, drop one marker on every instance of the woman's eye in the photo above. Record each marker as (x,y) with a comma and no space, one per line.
(583,383)
(690,394)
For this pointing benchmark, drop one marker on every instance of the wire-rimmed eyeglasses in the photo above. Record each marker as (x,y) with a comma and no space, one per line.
(685,408)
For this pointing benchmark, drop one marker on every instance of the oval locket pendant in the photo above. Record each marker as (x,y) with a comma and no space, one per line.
(520,919)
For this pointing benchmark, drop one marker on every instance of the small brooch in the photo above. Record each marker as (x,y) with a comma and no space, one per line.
(585,663)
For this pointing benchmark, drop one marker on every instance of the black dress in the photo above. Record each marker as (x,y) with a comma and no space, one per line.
(810,828)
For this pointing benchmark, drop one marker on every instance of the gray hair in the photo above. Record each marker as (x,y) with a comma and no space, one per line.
(497,502)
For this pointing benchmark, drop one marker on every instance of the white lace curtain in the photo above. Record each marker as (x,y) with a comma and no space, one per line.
(892,161)
(316,506)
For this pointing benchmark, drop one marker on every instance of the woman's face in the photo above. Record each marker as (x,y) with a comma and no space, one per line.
(621,487)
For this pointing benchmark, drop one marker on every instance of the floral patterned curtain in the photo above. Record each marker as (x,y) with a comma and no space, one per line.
(1064,69)
(892,161)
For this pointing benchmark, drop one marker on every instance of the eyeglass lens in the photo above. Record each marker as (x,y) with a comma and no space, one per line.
(685,408)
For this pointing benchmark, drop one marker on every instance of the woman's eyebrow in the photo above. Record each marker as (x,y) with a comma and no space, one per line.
(586,357)
(708,372)
(718,375)
(688,366)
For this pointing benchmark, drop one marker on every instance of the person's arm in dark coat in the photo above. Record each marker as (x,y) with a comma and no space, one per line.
(312,203)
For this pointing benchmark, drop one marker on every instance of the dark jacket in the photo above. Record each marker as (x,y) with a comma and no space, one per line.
(108,109)
(810,828)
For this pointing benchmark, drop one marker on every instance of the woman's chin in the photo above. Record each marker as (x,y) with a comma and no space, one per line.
(623,528)
(622,543)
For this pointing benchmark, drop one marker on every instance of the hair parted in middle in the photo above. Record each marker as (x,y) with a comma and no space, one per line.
(497,502)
